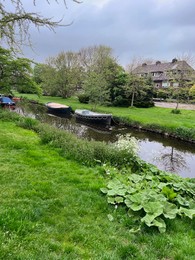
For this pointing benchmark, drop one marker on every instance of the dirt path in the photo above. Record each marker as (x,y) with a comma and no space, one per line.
(173,105)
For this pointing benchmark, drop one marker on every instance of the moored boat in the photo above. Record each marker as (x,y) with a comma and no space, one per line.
(56,108)
(93,117)
(6,102)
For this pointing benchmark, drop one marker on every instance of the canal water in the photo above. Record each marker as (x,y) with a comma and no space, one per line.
(167,154)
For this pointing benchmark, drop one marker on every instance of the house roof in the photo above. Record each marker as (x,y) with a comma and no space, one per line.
(162,67)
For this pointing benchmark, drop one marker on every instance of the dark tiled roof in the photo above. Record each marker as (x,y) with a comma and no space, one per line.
(162,67)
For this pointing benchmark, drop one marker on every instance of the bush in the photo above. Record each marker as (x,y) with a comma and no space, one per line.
(143,103)
(83,98)
(176,111)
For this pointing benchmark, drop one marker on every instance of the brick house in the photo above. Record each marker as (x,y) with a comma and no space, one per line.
(166,74)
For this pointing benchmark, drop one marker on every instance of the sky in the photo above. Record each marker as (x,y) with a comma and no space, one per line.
(151,29)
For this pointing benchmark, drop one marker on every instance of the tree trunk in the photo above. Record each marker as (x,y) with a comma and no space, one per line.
(132,98)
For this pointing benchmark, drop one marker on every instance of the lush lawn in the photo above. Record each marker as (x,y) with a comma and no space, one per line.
(155,115)
(52,208)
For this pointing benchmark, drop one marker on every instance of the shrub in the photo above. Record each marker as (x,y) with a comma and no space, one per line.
(176,111)
(83,98)
(5,114)
(28,123)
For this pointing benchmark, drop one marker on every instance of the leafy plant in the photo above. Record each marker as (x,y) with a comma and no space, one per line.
(176,111)
(155,196)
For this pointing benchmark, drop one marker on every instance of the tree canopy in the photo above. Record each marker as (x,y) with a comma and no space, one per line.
(15,73)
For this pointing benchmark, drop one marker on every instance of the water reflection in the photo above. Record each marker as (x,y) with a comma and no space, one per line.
(166,153)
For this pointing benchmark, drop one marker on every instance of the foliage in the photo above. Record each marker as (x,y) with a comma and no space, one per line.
(96,87)
(117,91)
(86,152)
(83,98)
(176,111)
(192,91)
(152,196)
(103,76)
(16,74)
(140,90)
(53,209)
(61,75)
(126,143)
(185,133)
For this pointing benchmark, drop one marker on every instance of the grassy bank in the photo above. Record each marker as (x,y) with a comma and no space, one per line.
(154,119)
(52,208)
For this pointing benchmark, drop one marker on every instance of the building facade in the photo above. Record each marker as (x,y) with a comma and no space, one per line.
(167,74)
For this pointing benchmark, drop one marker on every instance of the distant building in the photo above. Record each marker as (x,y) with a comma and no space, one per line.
(166,74)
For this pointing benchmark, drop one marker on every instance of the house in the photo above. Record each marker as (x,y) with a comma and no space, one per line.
(166,74)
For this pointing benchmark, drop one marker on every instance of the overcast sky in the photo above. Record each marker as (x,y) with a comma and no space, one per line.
(157,29)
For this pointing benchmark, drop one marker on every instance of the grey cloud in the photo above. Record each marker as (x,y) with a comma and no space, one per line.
(131,28)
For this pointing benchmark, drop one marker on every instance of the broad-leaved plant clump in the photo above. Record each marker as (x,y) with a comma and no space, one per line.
(151,196)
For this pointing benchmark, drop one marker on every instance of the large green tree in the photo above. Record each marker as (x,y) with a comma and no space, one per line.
(15,73)
(98,63)
(139,90)
(96,88)
(61,75)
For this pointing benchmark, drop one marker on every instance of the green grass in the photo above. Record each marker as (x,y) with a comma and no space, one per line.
(52,208)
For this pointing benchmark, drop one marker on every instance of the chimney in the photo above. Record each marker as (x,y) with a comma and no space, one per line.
(144,64)
(174,60)
(158,62)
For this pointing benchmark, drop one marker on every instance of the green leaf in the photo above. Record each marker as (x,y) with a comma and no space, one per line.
(132,205)
(104,190)
(137,198)
(154,208)
(119,199)
(151,220)
(148,219)
(170,210)
(182,201)
(161,185)
(114,184)
(169,193)
(131,190)
(110,217)
(114,192)
(111,200)
(160,224)
(187,212)
(135,178)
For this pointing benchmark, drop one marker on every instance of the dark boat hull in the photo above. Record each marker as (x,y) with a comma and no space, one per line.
(99,119)
(66,111)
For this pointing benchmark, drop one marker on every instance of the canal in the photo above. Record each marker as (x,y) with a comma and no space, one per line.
(166,153)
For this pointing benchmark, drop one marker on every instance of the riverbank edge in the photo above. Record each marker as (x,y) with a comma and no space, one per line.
(181,133)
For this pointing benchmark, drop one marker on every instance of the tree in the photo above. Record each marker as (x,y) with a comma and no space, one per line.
(98,62)
(192,91)
(61,75)
(22,77)
(140,90)
(15,73)
(17,19)
(116,87)
(95,86)
(137,61)
(180,79)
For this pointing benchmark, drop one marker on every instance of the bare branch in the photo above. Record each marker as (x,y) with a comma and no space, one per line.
(14,26)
